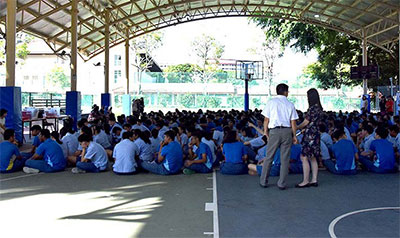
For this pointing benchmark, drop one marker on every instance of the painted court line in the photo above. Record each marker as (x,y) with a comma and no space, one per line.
(337,219)
(213,207)
(22,176)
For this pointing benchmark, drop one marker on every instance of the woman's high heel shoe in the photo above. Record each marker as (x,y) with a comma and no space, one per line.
(302,186)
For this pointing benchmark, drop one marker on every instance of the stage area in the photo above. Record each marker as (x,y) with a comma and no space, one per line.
(145,205)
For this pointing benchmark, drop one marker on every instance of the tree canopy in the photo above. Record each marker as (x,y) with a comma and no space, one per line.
(337,52)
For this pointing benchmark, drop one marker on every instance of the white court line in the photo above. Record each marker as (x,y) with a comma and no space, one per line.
(337,219)
(213,207)
(22,176)
(215,201)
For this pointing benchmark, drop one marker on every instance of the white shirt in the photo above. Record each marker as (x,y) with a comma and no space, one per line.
(212,146)
(280,112)
(218,136)
(124,154)
(71,142)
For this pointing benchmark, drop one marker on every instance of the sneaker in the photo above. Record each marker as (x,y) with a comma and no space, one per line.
(31,170)
(77,170)
(188,171)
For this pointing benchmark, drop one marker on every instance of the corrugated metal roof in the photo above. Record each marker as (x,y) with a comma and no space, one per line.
(51,19)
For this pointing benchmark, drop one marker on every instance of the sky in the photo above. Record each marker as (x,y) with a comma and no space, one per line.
(238,35)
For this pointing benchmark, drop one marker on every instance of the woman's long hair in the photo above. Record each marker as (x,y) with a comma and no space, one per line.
(313,98)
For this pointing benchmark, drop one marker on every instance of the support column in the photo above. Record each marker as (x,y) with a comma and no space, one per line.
(10,96)
(127,63)
(73,98)
(106,97)
(126,99)
(74,44)
(364,59)
(10,37)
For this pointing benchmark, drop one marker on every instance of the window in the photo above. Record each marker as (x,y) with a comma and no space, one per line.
(117,60)
(117,75)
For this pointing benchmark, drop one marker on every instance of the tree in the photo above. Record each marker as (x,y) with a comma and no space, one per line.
(208,51)
(58,78)
(269,51)
(182,73)
(144,47)
(337,52)
(22,44)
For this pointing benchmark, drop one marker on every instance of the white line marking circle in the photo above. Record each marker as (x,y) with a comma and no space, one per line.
(337,219)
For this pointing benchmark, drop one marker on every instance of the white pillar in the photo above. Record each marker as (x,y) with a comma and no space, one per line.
(364,59)
(74,45)
(10,49)
(107,54)
(127,63)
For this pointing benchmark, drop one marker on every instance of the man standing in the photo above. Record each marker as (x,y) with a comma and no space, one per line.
(280,130)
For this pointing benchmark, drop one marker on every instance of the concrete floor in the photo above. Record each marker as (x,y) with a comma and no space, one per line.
(145,205)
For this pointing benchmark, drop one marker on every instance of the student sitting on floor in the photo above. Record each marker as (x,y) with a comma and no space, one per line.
(170,157)
(207,139)
(124,155)
(78,153)
(94,157)
(48,157)
(345,154)
(117,135)
(325,137)
(101,138)
(368,137)
(155,141)
(127,127)
(394,137)
(143,143)
(295,165)
(71,142)
(56,137)
(200,160)
(35,131)
(10,158)
(235,155)
(382,159)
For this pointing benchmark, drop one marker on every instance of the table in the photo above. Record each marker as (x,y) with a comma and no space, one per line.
(56,122)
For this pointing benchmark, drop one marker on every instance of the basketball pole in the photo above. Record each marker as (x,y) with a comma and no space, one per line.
(246,93)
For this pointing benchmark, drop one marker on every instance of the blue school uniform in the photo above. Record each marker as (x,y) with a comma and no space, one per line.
(124,154)
(36,141)
(327,139)
(97,155)
(205,149)
(344,151)
(52,154)
(324,151)
(145,151)
(173,157)
(155,144)
(234,152)
(71,143)
(385,158)
(366,143)
(103,140)
(8,150)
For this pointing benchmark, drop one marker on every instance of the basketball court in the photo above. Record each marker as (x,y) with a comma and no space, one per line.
(145,205)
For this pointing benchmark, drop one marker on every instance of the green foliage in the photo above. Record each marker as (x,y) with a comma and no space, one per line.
(22,51)
(57,77)
(182,73)
(337,52)
(165,99)
(187,100)
(339,103)
(256,102)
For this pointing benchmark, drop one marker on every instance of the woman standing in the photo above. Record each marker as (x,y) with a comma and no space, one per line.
(311,145)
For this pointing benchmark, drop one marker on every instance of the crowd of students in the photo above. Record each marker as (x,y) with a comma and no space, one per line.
(196,142)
